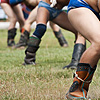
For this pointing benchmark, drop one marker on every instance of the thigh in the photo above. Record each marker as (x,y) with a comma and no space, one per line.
(18,11)
(54,26)
(42,15)
(32,16)
(85,22)
(8,10)
(62,21)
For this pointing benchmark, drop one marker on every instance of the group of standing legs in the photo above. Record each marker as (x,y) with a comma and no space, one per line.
(14,14)
(86,22)
(85,25)
(41,28)
(25,28)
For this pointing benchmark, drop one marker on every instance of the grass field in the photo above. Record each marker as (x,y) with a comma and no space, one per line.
(45,81)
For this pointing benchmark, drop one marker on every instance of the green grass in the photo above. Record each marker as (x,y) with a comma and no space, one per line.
(45,81)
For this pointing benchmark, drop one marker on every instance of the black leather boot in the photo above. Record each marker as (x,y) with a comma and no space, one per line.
(30,52)
(61,39)
(11,36)
(77,53)
(23,41)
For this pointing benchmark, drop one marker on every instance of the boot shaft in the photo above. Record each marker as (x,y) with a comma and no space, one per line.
(61,39)
(11,36)
(33,46)
(34,41)
(24,37)
(78,51)
(12,33)
(84,74)
(82,79)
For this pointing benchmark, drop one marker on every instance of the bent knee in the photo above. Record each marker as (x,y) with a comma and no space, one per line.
(96,46)
(13,20)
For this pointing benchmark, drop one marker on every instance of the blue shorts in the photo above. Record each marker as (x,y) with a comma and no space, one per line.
(81,3)
(52,11)
(26,11)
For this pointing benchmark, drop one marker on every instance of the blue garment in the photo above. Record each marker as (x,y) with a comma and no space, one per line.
(40,30)
(14,2)
(53,12)
(25,14)
(81,3)
(26,11)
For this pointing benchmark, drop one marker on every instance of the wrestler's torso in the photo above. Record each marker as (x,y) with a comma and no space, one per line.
(95,4)
(31,3)
(62,3)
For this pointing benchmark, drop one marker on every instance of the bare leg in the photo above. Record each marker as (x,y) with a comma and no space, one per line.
(11,15)
(19,14)
(12,18)
(31,18)
(26,29)
(43,19)
(79,46)
(61,19)
(80,39)
(35,39)
(89,26)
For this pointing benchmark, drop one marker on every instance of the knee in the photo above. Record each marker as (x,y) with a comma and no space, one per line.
(13,20)
(96,45)
(21,22)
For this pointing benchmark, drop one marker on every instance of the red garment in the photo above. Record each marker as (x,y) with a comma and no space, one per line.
(4,1)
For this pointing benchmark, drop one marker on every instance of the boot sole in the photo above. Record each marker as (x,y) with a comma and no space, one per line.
(25,64)
(70,97)
(70,67)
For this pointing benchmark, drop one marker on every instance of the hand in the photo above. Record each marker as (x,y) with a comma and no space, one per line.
(53,3)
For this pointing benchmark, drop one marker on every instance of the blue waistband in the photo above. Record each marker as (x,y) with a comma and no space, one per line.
(81,3)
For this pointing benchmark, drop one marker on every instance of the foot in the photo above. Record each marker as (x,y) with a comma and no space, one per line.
(29,58)
(11,43)
(70,97)
(22,42)
(76,93)
(65,45)
(31,63)
(62,42)
(20,45)
(72,65)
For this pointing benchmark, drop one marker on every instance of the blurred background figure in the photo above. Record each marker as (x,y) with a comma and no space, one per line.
(30,13)
(14,14)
